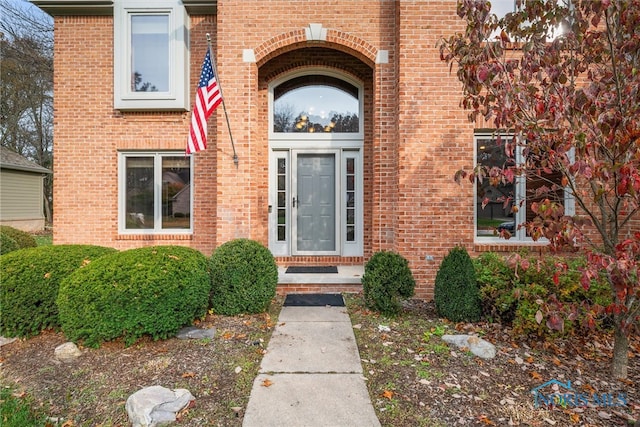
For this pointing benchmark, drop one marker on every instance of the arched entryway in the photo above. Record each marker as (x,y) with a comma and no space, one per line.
(318,126)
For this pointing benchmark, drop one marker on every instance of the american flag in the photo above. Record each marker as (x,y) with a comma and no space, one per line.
(208,97)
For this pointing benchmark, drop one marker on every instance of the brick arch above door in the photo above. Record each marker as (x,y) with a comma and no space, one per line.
(335,39)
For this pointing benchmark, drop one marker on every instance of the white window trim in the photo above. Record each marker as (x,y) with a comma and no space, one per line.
(354,248)
(177,98)
(318,138)
(520,235)
(157,179)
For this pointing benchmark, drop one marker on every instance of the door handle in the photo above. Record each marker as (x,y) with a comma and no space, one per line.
(294,201)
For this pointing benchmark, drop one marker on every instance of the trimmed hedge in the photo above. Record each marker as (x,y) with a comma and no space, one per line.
(244,276)
(386,282)
(7,244)
(456,292)
(30,280)
(145,291)
(22,238)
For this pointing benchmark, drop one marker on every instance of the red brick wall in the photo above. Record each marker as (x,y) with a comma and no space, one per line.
(89,133)
(416,136)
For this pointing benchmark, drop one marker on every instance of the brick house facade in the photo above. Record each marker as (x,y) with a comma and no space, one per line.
(390,178)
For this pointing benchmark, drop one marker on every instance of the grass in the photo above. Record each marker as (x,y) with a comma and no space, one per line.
(16,411)
(43,238)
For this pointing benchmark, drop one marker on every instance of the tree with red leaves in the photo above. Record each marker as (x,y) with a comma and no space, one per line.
(563,78)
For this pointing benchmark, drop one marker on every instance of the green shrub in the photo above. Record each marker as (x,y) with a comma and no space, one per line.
(516,299)
(386,282)
(7,244)
(30,280)
(496,282)
(22,238)
(146,291)
(456,292)
(244,276)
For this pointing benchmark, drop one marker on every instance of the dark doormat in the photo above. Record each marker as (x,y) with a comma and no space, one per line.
(312,269)
(313,300)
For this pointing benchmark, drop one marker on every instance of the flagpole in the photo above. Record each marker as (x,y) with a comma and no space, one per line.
(224,107)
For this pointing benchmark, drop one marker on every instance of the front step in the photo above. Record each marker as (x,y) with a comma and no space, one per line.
(348,279)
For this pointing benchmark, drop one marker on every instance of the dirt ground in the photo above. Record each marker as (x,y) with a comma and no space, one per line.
(414,378)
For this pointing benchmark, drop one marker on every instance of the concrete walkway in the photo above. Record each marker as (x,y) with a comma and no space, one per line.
(311,374)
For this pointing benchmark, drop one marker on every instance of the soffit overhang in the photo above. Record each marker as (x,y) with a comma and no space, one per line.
(105,7)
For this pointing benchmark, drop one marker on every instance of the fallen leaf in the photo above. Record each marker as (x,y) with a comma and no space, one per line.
(535,375)
(388,394)
(588,388)
(484,419)
(575,418)
(188,375)
(227,335)
(267,383)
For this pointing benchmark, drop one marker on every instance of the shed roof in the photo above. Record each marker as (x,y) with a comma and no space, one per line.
(9,159)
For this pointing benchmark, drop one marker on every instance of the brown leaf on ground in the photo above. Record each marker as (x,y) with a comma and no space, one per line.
(267,383)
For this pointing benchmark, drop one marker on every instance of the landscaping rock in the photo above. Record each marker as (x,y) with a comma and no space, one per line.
(156,405)
(477,346)
(67,351)
(193,332)
(5,341)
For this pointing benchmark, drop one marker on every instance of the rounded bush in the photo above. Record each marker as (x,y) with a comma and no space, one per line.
(456,292)
(386,282)
(30,281)
(22,238)
(244,276)
(496,283)
(7,244)
(146,291)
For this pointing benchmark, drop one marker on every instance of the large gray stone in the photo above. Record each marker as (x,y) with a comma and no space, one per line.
(156,405)
(477,346)
(195,333)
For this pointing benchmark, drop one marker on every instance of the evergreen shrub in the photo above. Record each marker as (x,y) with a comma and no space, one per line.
(29,281)
(386,282)
(7,244)
(22,238)
(244,276)
(145,291)
(456,292)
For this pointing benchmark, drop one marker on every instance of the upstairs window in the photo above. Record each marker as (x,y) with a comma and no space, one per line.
(151,56)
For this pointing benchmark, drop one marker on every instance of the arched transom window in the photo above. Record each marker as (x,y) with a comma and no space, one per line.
(316,104)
